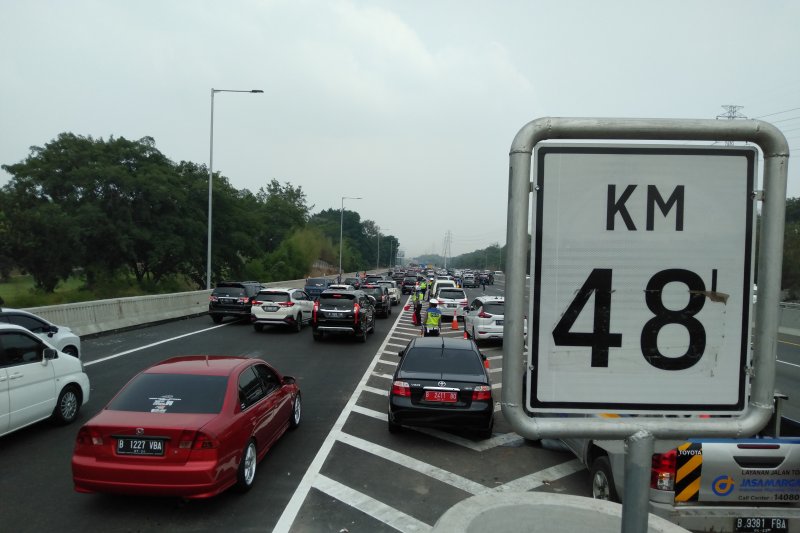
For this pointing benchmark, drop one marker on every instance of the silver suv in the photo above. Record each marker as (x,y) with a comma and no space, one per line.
(485,317)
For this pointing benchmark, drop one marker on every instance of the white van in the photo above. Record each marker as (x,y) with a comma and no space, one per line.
(37,381)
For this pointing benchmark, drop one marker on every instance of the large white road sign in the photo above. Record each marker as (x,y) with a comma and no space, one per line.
(642,276)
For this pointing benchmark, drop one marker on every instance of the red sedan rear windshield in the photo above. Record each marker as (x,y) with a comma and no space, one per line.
(172,393)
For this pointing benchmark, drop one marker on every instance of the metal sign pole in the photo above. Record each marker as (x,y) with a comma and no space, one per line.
(638,456)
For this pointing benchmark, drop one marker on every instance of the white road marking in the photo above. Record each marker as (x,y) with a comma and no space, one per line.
(114,356)
(289,514)
(493,370)
(788,363)
(395,344)
(494,357)
(380,392)
(537,479)
(384,376)
(371,413)
(368,505)
(429,470)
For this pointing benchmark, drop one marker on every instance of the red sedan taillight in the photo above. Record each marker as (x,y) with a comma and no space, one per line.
(482,393)
(202,445)
(89,437)
(401,388)
(662,471)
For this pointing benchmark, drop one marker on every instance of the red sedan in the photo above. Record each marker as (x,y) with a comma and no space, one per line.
(189,427)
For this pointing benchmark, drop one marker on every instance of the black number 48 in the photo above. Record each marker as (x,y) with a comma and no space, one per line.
(601,339)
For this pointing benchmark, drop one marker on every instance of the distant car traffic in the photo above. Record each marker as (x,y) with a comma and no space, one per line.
(281,307)
(383,302)
(355,282)
(60,337)
(189,427)
(232,298)
(409,282)
(442,382)
(37,381)
(394,292)
(315,286)
(452,302)
(338,312)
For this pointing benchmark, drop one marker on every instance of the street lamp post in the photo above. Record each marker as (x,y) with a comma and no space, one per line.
(378,259)
(341,229)
(211,174)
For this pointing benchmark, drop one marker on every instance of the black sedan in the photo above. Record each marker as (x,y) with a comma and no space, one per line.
(442,382)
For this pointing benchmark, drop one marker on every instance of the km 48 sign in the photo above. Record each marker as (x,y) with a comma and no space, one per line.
(642,263)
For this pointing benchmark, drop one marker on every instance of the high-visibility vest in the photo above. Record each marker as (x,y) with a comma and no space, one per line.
(433,317)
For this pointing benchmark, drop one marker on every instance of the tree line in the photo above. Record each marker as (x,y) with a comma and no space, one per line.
(118,208)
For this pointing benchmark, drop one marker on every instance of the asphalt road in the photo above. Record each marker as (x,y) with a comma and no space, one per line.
(340,470)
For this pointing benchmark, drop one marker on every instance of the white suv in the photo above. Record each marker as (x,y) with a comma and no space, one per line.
(452,301)
(37,381)
(61,337)
(281,306)
(485,317)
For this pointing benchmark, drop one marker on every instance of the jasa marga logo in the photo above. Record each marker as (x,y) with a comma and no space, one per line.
(723,485)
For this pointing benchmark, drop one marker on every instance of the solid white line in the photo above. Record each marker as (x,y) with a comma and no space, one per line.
(370,506)
(296,502)
(429,470)
(784,362)
(114,356)
(537,479)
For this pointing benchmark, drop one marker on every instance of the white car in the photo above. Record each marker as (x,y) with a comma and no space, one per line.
(60,337)
(341,287)
(394,292)
(281,307)
(37,381)
(452,301)
(485,317)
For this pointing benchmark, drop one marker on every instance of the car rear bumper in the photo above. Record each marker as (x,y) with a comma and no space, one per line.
(196,479)
(722,519)
(277,320)
(221,311)
(476,417)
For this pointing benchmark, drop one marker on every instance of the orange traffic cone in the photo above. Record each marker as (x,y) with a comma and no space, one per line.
(454,324)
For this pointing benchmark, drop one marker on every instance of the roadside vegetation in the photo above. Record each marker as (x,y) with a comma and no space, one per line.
(84,218)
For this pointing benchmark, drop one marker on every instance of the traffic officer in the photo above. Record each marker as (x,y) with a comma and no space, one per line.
(433,319)
(419,297)
(423,286)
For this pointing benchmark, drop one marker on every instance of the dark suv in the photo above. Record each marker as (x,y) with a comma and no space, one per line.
(232,298)
(383,302)
(343,312)
(409,282)
(315,286)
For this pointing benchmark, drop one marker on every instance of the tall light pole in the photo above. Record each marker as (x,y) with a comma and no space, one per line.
(211,174)
(341,229)
(378,259)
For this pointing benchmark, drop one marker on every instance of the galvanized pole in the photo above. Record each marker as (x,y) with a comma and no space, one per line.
(638,459)
(210,177)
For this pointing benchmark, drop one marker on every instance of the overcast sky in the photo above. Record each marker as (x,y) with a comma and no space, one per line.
(391,101)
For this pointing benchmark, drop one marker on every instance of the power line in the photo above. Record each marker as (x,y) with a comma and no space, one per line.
(779,112)
(785,120)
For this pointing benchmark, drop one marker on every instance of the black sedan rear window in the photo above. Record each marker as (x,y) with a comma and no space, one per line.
(442,361)
(172,393)
(229,291)
(336,298)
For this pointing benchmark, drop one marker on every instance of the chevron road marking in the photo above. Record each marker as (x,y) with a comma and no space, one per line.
(368,505)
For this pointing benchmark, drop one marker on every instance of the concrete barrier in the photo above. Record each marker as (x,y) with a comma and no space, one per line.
(539,512)
(89,318)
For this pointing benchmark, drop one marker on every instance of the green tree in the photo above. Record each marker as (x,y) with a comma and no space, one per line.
(282,209)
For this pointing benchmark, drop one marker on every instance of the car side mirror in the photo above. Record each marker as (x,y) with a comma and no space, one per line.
(372,299)
(49,353)
(401,353)
(288,380)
